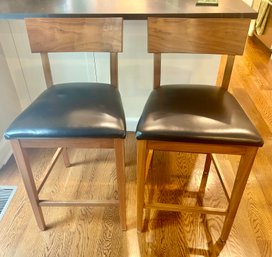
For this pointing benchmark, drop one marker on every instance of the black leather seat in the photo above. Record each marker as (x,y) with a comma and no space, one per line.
(72,110)
(214,117)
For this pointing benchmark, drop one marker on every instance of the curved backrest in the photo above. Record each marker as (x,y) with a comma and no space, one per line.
(76,35)
(225,36)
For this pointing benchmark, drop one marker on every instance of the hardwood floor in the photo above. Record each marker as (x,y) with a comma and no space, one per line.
(96,231)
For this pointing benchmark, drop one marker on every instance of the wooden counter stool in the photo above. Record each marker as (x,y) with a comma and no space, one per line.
(76,115)
(203,119)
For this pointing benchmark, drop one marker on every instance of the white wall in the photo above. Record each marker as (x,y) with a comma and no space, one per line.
(9,102)
(10,106)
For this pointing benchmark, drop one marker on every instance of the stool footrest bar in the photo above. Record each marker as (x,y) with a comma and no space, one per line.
(179,208)
(78,203)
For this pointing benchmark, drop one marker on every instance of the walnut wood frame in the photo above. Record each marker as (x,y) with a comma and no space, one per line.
(185,35)
(69,35)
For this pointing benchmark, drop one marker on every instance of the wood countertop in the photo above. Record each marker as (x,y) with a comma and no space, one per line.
(128,9)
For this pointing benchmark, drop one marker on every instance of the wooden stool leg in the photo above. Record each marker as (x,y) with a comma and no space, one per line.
(141,169)
(204,178)
(148,161)
(242,175)
(121,181)
(65,157)
(25,169)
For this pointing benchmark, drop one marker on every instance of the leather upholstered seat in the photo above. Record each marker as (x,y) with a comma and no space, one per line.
(199,119)
(214,117)
(72,110)
(72,115)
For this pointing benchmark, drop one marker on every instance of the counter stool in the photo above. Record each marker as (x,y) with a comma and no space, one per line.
(204,119)
(76,115)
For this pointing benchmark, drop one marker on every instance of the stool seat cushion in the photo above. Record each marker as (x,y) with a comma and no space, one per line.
(72,110)
(198,114)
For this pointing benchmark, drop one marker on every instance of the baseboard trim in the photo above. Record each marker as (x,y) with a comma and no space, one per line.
(5,152)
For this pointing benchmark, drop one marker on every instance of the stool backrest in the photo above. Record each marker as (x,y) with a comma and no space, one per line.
(76,35)
(224,36)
